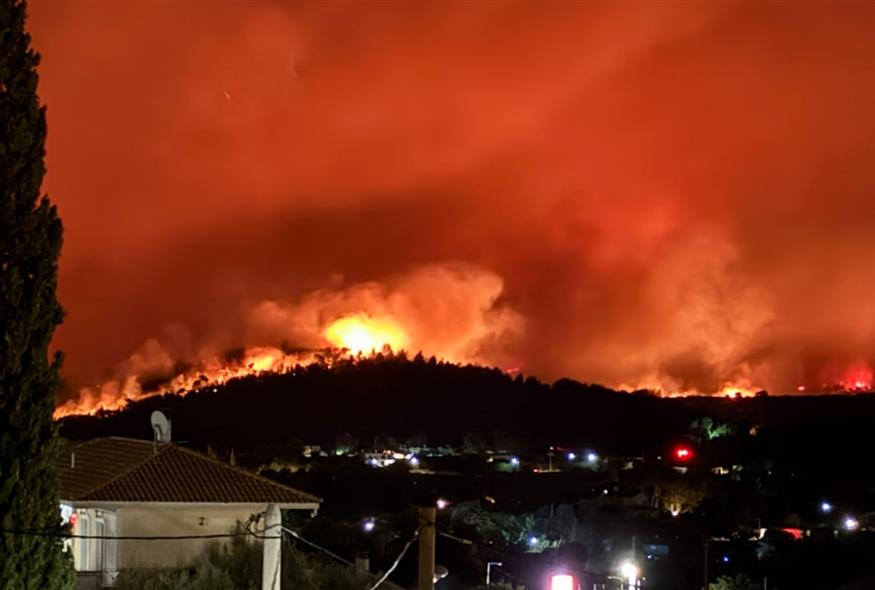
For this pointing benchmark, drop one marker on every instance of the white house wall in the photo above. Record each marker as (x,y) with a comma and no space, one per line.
(177,521)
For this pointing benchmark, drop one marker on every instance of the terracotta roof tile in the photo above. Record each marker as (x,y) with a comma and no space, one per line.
(127,470)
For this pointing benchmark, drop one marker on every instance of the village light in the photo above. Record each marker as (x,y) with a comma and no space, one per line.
(850,523)
(591,457)
(562,582)
(683,453)
(515,461)
(414,462)
(533,541)
(825,507)
(572,456)
(630,573)
(442,503)
(369,525)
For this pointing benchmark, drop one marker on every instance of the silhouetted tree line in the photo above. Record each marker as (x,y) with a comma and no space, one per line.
(389,395)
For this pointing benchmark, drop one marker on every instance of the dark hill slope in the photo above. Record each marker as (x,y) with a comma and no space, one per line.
(392,396)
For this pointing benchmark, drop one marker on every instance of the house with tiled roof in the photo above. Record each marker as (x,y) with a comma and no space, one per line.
(136,503)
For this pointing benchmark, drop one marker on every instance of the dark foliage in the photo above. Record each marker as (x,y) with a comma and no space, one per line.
(30,243)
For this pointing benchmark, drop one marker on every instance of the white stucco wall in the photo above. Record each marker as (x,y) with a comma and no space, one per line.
(155,520)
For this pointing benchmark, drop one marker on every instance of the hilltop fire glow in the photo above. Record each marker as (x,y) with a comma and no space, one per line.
(115,395)
(361,334)
(352,335)
(452,311)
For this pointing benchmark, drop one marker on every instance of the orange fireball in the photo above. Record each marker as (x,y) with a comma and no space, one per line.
(363,334)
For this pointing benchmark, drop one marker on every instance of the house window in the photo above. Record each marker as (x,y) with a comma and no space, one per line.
(84,531)
(99,544)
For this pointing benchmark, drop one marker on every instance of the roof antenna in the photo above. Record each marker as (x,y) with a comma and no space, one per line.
(161,427)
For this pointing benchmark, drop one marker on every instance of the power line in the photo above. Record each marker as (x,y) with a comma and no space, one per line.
(455,538)
(63,535)
(317,547)
(396,562)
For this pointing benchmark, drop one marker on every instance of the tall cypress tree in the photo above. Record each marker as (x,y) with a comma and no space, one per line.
(30,243)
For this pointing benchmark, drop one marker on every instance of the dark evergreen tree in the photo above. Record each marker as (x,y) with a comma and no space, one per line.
(30,242)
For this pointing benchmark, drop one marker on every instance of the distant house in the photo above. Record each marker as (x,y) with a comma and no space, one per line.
(114,488)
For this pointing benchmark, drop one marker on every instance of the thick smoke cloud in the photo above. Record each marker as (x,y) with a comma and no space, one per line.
(452,311)
(675,195)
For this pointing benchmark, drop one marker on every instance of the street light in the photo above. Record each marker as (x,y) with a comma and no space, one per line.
(368,525)
(850,523)
(825,507)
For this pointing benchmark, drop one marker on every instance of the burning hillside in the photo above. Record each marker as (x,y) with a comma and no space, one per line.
(457,313)
(454,312)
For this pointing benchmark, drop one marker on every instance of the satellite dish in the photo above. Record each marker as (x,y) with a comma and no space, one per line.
(440,572)
(161,427)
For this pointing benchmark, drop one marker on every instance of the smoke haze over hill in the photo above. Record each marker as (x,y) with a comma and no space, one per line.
(675,196)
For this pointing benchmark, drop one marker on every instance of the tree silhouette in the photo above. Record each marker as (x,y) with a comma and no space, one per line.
(30,243)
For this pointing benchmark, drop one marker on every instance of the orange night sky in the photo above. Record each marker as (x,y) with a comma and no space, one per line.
(672,194)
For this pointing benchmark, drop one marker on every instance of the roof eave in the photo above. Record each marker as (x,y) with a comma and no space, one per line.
(110,505)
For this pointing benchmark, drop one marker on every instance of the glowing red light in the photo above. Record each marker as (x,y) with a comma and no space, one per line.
(683,453)
(73,518)
(793,532)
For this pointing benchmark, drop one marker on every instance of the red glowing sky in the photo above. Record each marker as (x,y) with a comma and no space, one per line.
(650,193)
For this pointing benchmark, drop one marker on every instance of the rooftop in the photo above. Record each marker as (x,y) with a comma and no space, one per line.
(116,469)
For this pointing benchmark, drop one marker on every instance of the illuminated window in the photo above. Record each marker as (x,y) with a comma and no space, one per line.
(99,544)
(84,531)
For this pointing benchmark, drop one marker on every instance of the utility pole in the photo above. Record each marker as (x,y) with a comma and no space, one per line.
(427,517)
(273,546)
(705,587)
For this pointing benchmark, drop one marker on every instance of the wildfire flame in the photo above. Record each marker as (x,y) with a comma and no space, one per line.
(115,395)
(362,334)
(857,379)
(353,335)
(730,390)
